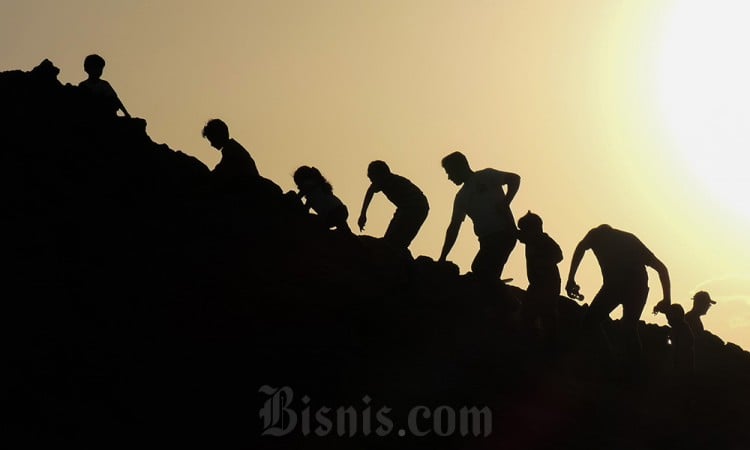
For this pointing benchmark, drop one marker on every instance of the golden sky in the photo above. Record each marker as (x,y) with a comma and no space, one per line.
(632,113)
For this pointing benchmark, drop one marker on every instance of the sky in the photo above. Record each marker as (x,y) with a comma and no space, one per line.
(632,113)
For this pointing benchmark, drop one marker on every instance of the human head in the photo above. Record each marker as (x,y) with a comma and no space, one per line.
(217,133)
(457,167)
(675,314)
(529,225)
(306,177)
(94,65)
(377,170)
(303,174)
(702,301)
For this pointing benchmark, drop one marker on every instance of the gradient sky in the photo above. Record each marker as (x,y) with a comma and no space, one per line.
(632,113)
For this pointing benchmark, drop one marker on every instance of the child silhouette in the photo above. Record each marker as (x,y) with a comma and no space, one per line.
(100,91)
(542,256)
(317,194)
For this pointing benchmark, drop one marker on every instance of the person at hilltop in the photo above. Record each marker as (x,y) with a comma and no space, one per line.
(316,193)
(701,303)
(98,90)
(623,259)
(411,204)
(540,305)
(483,199)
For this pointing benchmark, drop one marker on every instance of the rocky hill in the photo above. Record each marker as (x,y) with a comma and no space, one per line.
(147,306)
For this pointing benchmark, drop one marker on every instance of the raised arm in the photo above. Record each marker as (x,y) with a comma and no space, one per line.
(365,204)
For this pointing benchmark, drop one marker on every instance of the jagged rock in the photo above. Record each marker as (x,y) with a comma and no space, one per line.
(144,304)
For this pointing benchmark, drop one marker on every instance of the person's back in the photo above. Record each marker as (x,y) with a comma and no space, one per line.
(401,191)
(411,204)
(621,255)
(235,163)
(542,256)
(485,203)
(683,340)
(322,201)
(236,167)
(693,319)
(318,195)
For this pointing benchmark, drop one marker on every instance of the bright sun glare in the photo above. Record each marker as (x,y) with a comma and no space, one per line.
(704,90)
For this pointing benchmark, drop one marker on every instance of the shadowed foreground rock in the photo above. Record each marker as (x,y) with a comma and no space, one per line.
(144,306)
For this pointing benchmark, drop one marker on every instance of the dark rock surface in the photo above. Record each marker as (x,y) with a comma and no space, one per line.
(146,306)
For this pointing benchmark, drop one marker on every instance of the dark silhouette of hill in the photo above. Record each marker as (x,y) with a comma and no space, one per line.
(144,306)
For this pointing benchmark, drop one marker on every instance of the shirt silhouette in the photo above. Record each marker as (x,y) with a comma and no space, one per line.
(623,259)
(542,256)
(411,204)
(483,199)
(99,91)
(236,164)
(317,194)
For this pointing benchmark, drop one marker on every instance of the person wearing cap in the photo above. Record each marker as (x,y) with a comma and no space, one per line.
(701,302)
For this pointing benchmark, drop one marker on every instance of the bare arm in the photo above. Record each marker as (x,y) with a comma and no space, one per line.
(571,287)
(365,204)
(666,286)
(450,238)
(122,107)
(513,181)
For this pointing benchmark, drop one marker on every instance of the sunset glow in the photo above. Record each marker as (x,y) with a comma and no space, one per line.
(704,87)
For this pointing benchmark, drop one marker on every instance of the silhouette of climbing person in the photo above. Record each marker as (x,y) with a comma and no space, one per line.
(236,165)
(681,337)
(482,198)
(411,204)
(542,256)
(100,92)
(701,303)
(317,194)
(623,259)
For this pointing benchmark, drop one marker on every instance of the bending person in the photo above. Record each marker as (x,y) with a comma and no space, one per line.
(411,204)
(623,259)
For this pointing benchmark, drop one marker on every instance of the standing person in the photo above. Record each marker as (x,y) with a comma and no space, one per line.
(411,204)
(100,91)
(701,303)
(236,164)
(483,199)
(317,194)
(623,259)
(542,256)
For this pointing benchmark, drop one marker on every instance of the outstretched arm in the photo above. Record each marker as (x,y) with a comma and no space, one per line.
(121,106)
(450,238)
(571,287)
(666,286)
(365,204)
